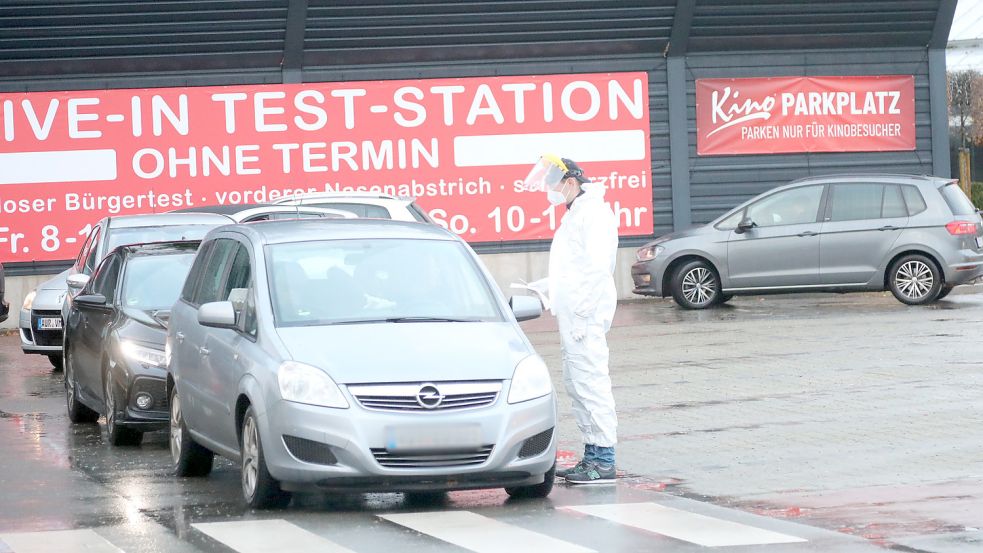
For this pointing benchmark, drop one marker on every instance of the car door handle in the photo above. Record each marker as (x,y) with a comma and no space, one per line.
(179,336)
(889,227)
(807,233)
(204,352)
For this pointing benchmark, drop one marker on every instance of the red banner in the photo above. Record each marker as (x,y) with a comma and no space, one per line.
(460,146)
(805,114)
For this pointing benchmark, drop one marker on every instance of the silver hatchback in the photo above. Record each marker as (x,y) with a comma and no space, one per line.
(916,236)
(361,355)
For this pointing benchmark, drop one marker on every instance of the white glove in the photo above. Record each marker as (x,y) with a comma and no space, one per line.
(579,329)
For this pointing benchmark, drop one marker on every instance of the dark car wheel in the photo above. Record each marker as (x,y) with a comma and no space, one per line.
(695,285)
(56,362)
(259,488)
(915,280)
(77,412)
(188,457)
(944,292)
(536,490)
(117,434)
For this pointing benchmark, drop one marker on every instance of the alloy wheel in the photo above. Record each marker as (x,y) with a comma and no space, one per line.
(699,286)
(250,457)
(914,279)
(175,436)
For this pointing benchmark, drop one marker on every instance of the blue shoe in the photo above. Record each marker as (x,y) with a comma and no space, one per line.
(592,473)
(562,473)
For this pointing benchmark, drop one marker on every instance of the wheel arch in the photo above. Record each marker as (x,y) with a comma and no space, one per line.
(933,257)
(677,262)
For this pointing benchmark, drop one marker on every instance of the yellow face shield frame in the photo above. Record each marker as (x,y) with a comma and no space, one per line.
(546,174)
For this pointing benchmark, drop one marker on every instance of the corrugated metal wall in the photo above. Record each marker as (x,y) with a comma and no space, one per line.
(718,183)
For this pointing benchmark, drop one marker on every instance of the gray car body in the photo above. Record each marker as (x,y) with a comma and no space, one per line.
(822,255)
(241,370)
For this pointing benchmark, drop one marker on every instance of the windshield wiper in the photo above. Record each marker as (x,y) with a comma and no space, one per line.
(404,320)
(429,320)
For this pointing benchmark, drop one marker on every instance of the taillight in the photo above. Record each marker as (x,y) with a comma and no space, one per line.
(961,227)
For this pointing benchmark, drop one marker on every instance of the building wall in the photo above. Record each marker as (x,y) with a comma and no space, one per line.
(718,183)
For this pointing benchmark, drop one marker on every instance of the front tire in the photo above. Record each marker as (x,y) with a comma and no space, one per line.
(695,285)
(188,457)
(77,413)
(536,491)
(915,280)
(118,436)
(56,362)
(944,292)
(259,488)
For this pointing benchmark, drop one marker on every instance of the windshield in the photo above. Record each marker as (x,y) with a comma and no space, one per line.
(351,281)
(144,235)
(153,282)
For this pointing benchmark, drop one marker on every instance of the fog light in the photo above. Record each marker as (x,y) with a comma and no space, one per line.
(646,279)
(144,400)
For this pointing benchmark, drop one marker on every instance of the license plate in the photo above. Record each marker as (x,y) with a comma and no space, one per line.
(49,323)
(433,437)
(979,242)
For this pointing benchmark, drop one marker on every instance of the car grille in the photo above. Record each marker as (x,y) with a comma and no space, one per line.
(432,460)
(536,445)
(45,337)
(421,396)
(157,389)
(309,451)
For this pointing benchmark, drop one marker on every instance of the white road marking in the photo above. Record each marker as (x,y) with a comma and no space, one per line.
(267,536)
(482,534)
(683,525)
(58,541)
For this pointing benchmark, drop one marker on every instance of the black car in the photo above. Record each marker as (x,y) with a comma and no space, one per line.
(114,339)
(4,306)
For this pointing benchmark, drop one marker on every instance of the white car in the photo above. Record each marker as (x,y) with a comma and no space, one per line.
(251,213)
(363,204)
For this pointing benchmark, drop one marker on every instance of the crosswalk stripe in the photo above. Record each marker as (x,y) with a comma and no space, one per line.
(482,534)
(58,541)
(683,525)
(267,536)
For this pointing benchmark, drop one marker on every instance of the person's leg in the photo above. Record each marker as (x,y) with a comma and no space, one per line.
(588,380)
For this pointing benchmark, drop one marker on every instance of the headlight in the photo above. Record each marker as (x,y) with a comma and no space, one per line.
(306,384)
(648,253)
(530,380)
(29,301)
(143,354)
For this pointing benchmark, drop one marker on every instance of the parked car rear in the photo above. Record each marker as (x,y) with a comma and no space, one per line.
(916,236)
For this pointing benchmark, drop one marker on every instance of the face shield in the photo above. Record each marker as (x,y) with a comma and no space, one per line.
(546,175)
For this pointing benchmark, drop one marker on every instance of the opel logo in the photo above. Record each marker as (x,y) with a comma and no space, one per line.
(429,397)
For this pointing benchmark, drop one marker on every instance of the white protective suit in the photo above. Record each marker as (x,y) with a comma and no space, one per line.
(583,298)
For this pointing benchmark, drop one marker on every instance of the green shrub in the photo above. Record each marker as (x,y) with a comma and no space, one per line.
(978,195)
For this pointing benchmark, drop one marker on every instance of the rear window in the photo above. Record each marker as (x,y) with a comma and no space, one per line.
(369,211)
(914,199)
(957,201)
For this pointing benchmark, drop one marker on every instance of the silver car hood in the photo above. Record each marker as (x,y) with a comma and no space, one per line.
(50,294)
(409,352)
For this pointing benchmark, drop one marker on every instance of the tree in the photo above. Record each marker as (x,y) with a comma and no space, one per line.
(966,106)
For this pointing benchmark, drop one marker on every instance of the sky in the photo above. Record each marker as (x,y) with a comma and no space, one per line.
(966,37)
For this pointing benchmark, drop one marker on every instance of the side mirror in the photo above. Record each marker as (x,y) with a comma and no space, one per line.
(217,314)
(78,281)
(525,308)
(91,299)
(745,225)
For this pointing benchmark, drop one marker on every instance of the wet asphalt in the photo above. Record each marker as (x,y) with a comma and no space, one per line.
(848,422)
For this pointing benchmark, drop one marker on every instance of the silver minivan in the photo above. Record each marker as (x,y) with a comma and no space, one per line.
(364,355)
(916,236)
